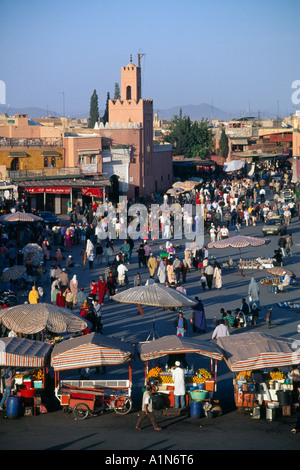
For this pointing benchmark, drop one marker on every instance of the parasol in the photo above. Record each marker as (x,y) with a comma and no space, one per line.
(185,185)
(278,271)
(174,191)
(33,318)
(34,253)
(155,295)
(20,217)
(13,273)
(247,351)
(239,241)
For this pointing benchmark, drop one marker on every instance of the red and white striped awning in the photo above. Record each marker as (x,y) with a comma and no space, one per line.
(252,351)
(173,344)
(239,241)
(21,352)
(33,318)
(90,350)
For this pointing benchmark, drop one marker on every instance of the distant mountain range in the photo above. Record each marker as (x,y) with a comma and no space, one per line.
(195,112)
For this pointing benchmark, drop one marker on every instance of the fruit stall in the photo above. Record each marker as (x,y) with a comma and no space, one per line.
(200,383)
(260,379)
(30,361)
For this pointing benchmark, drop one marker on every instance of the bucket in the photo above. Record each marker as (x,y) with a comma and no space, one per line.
(270,414)
(28,392)
(284,397)
(13,407)
(195,409)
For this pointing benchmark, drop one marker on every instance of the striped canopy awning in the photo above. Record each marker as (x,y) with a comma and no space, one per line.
(20,217)
(89,350)
(239,241)
(174,344)
(278,271)
(33,318)
(251,351)
(20,352)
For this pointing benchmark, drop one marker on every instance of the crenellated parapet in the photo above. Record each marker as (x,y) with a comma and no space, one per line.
(118,125)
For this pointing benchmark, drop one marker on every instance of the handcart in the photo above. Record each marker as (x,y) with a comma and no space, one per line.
(91,401)
(91,397)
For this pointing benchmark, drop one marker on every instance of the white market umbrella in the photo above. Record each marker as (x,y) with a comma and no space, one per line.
(155,295)
(20,217)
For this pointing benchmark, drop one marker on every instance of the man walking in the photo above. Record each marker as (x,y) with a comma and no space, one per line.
(147,410)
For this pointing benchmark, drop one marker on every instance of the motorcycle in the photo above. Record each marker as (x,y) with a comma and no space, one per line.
(8,297)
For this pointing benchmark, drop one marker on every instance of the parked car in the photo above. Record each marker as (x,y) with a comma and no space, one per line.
(274,226)
(49,218)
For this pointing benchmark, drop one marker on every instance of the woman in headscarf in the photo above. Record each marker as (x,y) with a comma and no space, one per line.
(161,272)
(102,290)
(253,292)
(74,288)
(217,276)
(198,317)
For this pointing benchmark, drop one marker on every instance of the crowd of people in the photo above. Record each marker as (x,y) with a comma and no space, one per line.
(228,204)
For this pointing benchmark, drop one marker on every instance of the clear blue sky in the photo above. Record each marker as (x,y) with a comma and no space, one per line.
(226,52)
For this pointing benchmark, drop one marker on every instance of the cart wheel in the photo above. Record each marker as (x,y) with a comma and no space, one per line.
(122,405)
(80,411)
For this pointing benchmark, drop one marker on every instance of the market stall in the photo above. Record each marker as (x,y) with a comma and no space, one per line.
(30,359)
(258,361)
(200,382)
(239,241)
(84,396)
(277,276)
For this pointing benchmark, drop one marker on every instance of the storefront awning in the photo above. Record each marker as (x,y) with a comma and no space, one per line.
(17,154)
(92,192)
(50,153)
(49,190)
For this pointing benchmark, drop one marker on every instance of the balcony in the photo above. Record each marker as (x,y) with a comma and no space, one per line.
(45,173)
(51,142)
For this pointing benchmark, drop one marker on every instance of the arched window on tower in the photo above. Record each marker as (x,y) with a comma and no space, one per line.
(128,93)
(46,163)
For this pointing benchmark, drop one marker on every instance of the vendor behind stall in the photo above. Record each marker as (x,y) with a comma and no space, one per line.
(179,385)
(285,282)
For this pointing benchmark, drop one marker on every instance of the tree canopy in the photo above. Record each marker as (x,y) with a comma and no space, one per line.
(117,92)
(94,110)
(223,144)
(191,139)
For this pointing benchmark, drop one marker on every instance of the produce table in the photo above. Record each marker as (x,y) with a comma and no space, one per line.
(273,393)
(199,385)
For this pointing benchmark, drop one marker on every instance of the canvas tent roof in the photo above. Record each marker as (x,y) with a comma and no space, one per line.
(21,352)
(173,344)
(251,351)
(88,350)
